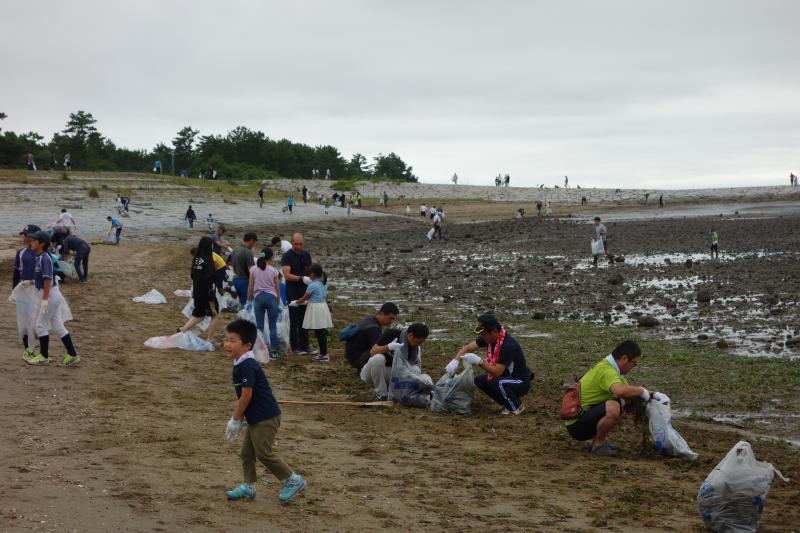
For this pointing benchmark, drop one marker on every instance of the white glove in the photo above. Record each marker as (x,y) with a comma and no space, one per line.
(471,358)
(306,280)
(293,303)
(645,395)
(233,428)
(230,250)
(660,397)
(394,345)
(452,366)
(43,307)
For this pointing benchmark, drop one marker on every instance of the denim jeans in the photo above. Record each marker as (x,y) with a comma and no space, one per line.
(240,284)
(267,303)
(82,263)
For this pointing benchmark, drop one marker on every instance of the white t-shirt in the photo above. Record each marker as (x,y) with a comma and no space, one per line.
(65,219)
(285,247)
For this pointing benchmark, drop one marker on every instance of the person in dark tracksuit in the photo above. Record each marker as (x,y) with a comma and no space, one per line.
(73,243)
(507,377)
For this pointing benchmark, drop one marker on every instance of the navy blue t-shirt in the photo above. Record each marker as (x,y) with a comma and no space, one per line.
(262,405)
(511,356)
(298,265)
(24,265)
(44,270)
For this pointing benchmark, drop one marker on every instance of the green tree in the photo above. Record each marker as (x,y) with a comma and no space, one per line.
(183,144)
(357,166)
(391,166)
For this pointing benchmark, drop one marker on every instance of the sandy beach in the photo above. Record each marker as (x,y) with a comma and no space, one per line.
(134,436)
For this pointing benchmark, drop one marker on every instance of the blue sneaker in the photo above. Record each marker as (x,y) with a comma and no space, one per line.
(242,492)
(292,488)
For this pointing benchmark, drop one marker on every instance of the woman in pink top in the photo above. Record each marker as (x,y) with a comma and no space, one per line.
(262,293)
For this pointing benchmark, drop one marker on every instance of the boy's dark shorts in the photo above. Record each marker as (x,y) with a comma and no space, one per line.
(202,307)
(586,426)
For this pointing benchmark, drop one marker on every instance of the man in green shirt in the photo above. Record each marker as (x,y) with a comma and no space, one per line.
(714,243)
(603,393)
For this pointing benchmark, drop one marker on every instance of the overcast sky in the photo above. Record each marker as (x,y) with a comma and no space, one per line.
(617,94)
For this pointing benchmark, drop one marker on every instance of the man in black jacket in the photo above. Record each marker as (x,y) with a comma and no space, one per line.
(369,331)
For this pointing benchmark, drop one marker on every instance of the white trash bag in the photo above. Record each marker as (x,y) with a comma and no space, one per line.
(68,268)
(734,493)
(187,341)
(668,441)
(152,297)
(183,293)
(282,326)
(453,392)
(187,312)
(261,347)
(597,247)
(430,233)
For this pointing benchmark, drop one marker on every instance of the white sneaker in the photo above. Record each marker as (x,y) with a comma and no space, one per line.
(515,413)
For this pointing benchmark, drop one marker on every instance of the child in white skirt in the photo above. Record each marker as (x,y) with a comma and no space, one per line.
(318,316)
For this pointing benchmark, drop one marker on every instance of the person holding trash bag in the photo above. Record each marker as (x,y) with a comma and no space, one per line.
(603,391)
(295,265)
(73,243)
(601,232)
(359,344)
(507,378)
(203,293)
(378,369)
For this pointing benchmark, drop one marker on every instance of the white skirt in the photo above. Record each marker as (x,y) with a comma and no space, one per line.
(318,316)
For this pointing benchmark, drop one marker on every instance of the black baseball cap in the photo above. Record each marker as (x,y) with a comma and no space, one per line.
(41,236)
(486,323)
(30,229)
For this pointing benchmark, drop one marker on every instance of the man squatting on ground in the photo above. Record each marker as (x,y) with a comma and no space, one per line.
(393,343)
(507,377)
(357,349)
(603,392)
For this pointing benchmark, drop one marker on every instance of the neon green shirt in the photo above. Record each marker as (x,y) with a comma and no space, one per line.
(714,237)
(596,386)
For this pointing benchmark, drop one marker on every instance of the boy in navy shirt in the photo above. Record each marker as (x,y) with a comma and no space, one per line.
(258,407)
(24,272)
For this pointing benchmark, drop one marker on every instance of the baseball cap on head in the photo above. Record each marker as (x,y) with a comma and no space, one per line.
(30,229)
(486,323)
(41,236)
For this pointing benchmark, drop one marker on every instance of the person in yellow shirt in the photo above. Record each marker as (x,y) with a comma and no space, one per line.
(603,393)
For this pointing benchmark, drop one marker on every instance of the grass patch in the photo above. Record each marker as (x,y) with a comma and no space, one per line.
(64,176)
(92,193)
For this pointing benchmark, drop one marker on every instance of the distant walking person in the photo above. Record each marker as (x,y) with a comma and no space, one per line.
(566,182)
(157,166)
(290,203)
(454,179)
(646,197)
(190,217)
(385,199)
(539,211)
(601,232)
(305,194)
(714,244)
(661,200)
(583,200)
(31,163)
(507,179)
(261,196)
(67,162)
(792,179)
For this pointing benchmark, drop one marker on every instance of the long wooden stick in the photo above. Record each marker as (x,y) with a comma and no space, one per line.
(352,404)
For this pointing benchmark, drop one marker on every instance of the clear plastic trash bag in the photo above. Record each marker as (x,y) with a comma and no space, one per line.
(733,495)
(668,441)
(454,393)
(187,341)
(151,297)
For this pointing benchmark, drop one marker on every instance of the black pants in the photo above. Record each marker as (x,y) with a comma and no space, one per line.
(298,337)
(322,340)
(504,390)
(437,230)
(82,263)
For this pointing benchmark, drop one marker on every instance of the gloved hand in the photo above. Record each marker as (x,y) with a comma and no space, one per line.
(249,306)
(645,395)
(660,397)
(293,303)
(230,250)
(306,280)
(452,366)
(43,307)
(395,345)
(26,282)
(471,358)
(233,428)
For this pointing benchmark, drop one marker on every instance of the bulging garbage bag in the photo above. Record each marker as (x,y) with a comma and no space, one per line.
(68,268)
(261,347)
(668,441)
(597,247)
(183,293)
(454,393)
(152,297)
(734,493)
(187,341)
(187,312)
(408,385)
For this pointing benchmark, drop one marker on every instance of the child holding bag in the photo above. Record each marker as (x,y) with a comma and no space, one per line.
(318,316)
